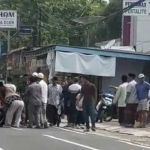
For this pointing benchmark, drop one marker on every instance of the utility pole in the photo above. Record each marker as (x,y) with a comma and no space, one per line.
(40,18)
(8,38)
(35,14)
(88,37)
(8,50)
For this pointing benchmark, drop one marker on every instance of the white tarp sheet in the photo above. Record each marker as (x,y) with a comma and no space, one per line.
(50,63)
(85,64)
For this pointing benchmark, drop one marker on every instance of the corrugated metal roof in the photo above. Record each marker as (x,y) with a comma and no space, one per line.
(96,51)
(105,52)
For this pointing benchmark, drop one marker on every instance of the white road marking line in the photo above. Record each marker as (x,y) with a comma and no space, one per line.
(119,139)
(137,145)
(104,135)
(91,133)
(70,142)
(70,131)
(1,149)
(17,129)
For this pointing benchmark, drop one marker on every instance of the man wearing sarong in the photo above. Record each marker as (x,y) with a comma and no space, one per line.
(131,101)
(120,98)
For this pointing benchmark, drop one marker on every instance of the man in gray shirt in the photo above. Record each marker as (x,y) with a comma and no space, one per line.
(34,102)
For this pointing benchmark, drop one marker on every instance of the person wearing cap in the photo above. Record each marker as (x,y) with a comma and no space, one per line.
(54,100)
(131,102)
(34,74)
(34,94)
(142,88)
(44,88)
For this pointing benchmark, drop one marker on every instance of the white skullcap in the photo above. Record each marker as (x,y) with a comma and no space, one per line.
(40,75)
(141,75)
(34,74)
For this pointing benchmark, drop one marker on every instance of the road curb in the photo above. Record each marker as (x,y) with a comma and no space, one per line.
(122,130)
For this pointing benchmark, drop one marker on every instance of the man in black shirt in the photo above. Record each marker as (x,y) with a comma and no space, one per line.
(89,93)
(65,94)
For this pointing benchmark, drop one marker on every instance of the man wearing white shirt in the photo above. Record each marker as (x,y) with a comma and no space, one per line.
(10,85)
(74,90)
(131,101)
(44,88)
(120,98)
(54,102)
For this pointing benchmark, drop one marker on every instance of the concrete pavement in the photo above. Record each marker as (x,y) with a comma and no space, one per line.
(61,139)
(114,127)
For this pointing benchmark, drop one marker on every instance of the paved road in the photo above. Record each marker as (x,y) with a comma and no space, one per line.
(59,139)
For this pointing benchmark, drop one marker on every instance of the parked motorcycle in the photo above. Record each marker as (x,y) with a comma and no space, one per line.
(105,109)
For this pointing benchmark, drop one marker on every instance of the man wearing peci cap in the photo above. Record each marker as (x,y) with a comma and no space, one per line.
(131,102)
(44,89)
(120,98)
(142,88)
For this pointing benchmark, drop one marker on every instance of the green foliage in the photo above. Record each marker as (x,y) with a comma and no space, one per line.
(112,27)
(52,21)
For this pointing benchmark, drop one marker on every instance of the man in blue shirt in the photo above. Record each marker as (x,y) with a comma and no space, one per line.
(142,88)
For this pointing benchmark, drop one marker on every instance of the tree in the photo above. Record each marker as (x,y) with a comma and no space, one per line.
(112,27)
(52,21)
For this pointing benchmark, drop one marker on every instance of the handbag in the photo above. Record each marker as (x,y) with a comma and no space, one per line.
(80,103)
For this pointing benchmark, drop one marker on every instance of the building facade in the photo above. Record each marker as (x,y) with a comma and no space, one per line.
(135,32)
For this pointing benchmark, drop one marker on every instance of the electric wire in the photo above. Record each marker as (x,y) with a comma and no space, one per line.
(105,18)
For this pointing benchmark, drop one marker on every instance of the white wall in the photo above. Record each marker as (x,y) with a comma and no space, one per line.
(140,33)
(123,67)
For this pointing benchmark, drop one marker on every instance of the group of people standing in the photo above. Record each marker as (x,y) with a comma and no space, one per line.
(133,100)
(79,102)
(42,104)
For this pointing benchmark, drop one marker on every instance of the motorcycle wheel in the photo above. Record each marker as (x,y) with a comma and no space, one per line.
(102,116)
(98,118)
(107,117)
